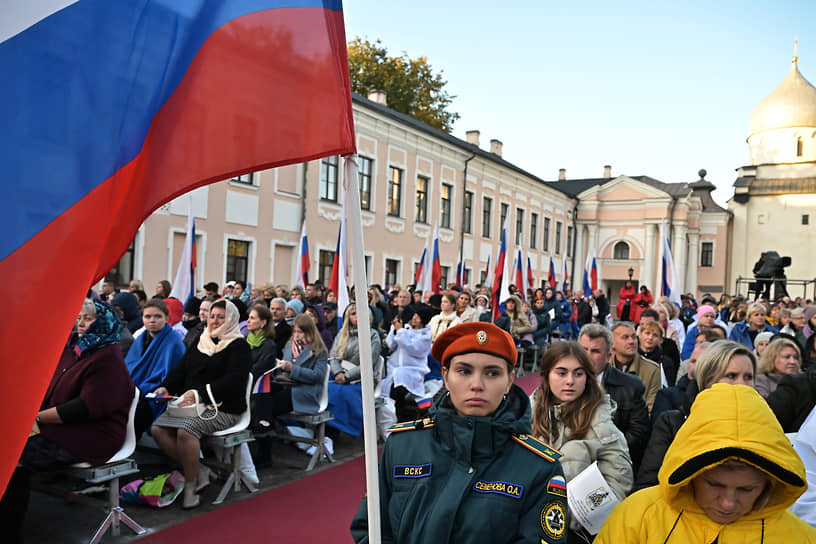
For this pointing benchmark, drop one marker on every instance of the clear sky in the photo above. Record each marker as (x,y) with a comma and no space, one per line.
(652,88)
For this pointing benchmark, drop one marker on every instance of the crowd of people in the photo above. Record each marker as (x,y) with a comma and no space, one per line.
(617,386)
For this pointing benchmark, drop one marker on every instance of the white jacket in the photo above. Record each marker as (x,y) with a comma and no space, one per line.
(408,362)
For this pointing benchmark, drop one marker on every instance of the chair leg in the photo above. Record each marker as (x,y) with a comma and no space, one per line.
(235,478)
(115,515)
(320,447)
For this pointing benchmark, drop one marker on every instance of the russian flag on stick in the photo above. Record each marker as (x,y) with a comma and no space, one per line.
(488,282)
(436,265)
(530,280)
(184,284)
(418,275)
(123,106)
(551,274)
(566,277)
(303,264)
(337,283)
(670,286)
(499,279)
(518,271)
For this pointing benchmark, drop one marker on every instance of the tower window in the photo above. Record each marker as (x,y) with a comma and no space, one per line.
(799,147)
(806,219)
(621,251)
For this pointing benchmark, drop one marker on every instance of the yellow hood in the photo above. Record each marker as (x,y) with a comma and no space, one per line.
(732,422)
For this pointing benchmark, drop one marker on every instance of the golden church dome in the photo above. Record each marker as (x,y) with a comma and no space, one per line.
(792,104)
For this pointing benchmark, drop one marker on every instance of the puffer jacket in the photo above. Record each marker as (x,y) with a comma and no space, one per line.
(467,479)
(726,422)
(740,333)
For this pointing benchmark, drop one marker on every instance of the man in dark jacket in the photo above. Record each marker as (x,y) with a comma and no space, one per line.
(603,305)
(794,399)
(627,390)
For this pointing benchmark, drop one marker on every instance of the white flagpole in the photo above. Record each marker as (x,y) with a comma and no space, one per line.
(350,183)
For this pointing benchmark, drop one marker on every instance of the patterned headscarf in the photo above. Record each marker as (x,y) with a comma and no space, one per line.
(100,333)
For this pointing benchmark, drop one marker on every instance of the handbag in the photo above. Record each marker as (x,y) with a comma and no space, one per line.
(198,409)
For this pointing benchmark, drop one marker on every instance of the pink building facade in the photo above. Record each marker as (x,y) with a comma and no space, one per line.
(412,177)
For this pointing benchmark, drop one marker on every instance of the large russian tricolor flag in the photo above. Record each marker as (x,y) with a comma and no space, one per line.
(499,280)
(111,109)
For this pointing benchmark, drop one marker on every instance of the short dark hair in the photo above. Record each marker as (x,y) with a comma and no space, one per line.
(141,296)
(649,312)
(157,303)
(242,283)
(211,286)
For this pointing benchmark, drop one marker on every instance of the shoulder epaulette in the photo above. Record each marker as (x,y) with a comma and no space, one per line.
(542,449)
(416,425)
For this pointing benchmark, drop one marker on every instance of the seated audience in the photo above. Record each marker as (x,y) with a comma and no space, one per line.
(345,390)
(730,476)
(446,318)
(465,309)
(746,331)
(625,357)
(84,414)
(154,353)
(627,390)
(572,414)
(220,360)
(410,345)
(722,362)
(305,362)
(779,359)
(261,339)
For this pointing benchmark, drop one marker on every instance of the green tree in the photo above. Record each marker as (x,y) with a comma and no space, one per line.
(411,85)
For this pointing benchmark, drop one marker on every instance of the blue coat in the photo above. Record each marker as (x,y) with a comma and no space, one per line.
(740,333)
(310,371)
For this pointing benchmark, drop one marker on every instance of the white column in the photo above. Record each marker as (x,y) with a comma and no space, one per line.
(691,267)
(679,254)
(592,242)
(650,258)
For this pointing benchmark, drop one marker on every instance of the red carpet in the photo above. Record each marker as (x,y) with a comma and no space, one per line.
(317,508)
(529,383)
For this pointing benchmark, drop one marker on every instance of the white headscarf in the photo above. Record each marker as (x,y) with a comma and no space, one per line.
(225,334)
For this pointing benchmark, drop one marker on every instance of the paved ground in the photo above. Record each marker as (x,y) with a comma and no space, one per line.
(54,518)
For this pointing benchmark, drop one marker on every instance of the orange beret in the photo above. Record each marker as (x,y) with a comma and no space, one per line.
(475,337)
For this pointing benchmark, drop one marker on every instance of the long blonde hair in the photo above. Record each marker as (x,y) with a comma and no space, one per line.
(342,337)
(576,415)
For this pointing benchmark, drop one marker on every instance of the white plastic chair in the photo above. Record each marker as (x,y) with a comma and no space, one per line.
(118,465)
(230,442)
(317,424)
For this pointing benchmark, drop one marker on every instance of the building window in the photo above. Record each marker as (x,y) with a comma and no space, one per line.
(504,210)
(806,219)
(570,232)
(558,227)
(122,273)
(519,225)
(365,183)
(421,215)
(533,230)
(443,281)
(391,272)
(237,260)
(487,216)
(621,251)
(246,179)
(445,212)
(707,255)
(395,192)
(799,147)
(482,277)
(328,178)
(545,244)
(325,263)
(468,213)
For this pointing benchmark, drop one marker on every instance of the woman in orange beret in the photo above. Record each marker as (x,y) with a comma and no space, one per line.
(470,472)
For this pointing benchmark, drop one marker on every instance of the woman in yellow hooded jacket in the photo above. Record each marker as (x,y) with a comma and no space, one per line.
(728,477)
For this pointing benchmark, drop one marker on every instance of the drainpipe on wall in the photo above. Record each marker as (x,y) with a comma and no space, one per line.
(462,229)
(574,243)
(303,194)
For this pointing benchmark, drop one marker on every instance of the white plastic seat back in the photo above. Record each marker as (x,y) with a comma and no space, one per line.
(129,446)
(244,420)
(324,396)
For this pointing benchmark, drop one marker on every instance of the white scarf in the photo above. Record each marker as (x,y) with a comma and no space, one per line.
(225,334)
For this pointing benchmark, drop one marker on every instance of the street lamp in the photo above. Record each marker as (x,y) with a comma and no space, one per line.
(630,271)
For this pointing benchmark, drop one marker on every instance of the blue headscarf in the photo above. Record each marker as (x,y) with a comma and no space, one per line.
(102,332)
